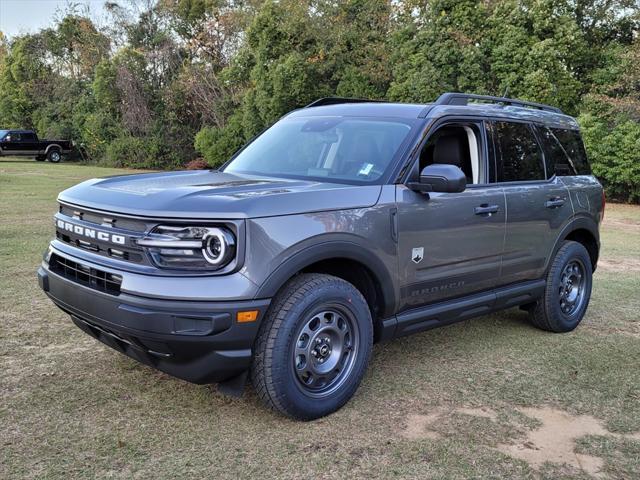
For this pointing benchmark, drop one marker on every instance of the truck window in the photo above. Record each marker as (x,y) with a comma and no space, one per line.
(518,155)
(557,160)
(28,137)
(457,145)
(572,144)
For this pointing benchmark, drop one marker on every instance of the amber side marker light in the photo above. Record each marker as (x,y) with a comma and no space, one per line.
(248,316)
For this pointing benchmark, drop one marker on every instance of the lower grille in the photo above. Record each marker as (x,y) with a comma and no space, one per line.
(84,275)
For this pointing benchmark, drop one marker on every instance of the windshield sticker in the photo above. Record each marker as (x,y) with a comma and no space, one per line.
(366,169)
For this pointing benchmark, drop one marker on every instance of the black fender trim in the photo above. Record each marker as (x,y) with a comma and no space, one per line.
(327,251)
(581,222)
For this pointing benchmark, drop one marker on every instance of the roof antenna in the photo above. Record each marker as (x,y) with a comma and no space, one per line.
(506,91)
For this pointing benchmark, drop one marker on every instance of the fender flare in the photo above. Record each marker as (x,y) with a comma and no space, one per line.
(327,251)
(581,222)
(53,145)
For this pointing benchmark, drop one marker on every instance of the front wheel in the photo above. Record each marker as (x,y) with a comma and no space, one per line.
(567,292)
(313,347)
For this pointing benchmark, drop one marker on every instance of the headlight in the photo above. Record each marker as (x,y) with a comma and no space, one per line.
(190,248)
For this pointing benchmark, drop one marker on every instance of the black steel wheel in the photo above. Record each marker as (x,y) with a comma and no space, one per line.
(313,347)
(572,287)
(325,351)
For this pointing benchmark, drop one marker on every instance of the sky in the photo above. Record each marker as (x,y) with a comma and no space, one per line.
(28,16)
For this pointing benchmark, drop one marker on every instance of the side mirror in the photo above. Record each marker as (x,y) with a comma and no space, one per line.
(441,177)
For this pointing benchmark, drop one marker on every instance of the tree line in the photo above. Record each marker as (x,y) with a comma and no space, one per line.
(163,82)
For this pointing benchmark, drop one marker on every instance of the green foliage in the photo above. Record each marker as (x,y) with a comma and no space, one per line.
(157,86)
(217,145)
(615,155)
(139,152)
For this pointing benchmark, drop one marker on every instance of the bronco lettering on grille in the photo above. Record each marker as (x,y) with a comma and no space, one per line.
(90,232)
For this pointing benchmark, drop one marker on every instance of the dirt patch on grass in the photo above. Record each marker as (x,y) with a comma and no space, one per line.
(423,426)
(555,440)
(621,222)
(626,265)
(418,426)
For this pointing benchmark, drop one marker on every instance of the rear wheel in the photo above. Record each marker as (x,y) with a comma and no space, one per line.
(567,292)
(313,347)
(54,155)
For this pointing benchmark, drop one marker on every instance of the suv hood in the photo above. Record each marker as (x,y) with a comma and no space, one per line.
(215,195)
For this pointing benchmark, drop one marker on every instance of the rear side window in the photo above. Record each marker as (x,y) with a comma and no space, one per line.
(571,142)
(518,155)
(28,136)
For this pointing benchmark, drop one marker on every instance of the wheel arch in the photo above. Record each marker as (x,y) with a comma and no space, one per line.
(51,147)
(346,260)
(583,230)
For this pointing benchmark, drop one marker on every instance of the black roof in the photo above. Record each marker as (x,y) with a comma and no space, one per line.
(446,104)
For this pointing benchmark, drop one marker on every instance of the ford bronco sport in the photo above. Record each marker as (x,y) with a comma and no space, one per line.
(345,223)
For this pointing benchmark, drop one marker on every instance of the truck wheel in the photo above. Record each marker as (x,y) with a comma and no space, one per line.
(313,347)
(567,292)
(54,155)
(40,158)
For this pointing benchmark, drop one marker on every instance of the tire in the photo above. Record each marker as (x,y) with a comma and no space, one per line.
(54,155)
(567,292)
(40,158)
(312,313)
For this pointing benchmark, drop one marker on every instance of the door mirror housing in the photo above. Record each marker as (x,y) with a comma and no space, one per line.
(440,177)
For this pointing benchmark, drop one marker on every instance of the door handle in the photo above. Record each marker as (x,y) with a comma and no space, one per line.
(486,209)
(554,203)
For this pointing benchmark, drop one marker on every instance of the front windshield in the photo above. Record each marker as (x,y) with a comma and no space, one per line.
(344,149)
(3,133)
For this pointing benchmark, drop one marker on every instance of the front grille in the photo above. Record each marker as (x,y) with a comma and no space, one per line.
(130,228)
(118,253)
(85,275)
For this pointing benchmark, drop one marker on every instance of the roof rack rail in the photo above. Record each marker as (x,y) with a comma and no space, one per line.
(453,98)
(338,100)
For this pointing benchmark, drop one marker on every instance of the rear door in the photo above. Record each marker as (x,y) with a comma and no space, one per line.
(29,143)
(537,203)
(450,244)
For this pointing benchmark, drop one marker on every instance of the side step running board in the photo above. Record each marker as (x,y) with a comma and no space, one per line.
(459,309)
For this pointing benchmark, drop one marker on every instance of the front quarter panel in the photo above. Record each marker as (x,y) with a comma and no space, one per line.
(278,247)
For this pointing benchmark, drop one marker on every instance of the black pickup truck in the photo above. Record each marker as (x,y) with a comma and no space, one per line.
(26,143)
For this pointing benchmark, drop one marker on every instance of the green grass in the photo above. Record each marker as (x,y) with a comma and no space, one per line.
(71,407)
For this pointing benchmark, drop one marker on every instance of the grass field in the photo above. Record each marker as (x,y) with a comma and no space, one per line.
(487,398)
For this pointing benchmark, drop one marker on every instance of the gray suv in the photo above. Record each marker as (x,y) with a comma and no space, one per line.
(346,223)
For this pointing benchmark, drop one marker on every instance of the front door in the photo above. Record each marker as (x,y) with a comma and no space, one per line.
(450,244)
(11,143)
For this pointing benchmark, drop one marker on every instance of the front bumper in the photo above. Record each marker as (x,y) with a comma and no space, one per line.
(197,341)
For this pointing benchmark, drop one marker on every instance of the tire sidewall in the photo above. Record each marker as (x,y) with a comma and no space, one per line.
(572,251)
(287,384)
(52,154)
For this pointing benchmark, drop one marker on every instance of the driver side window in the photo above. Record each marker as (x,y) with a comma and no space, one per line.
(455,144)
